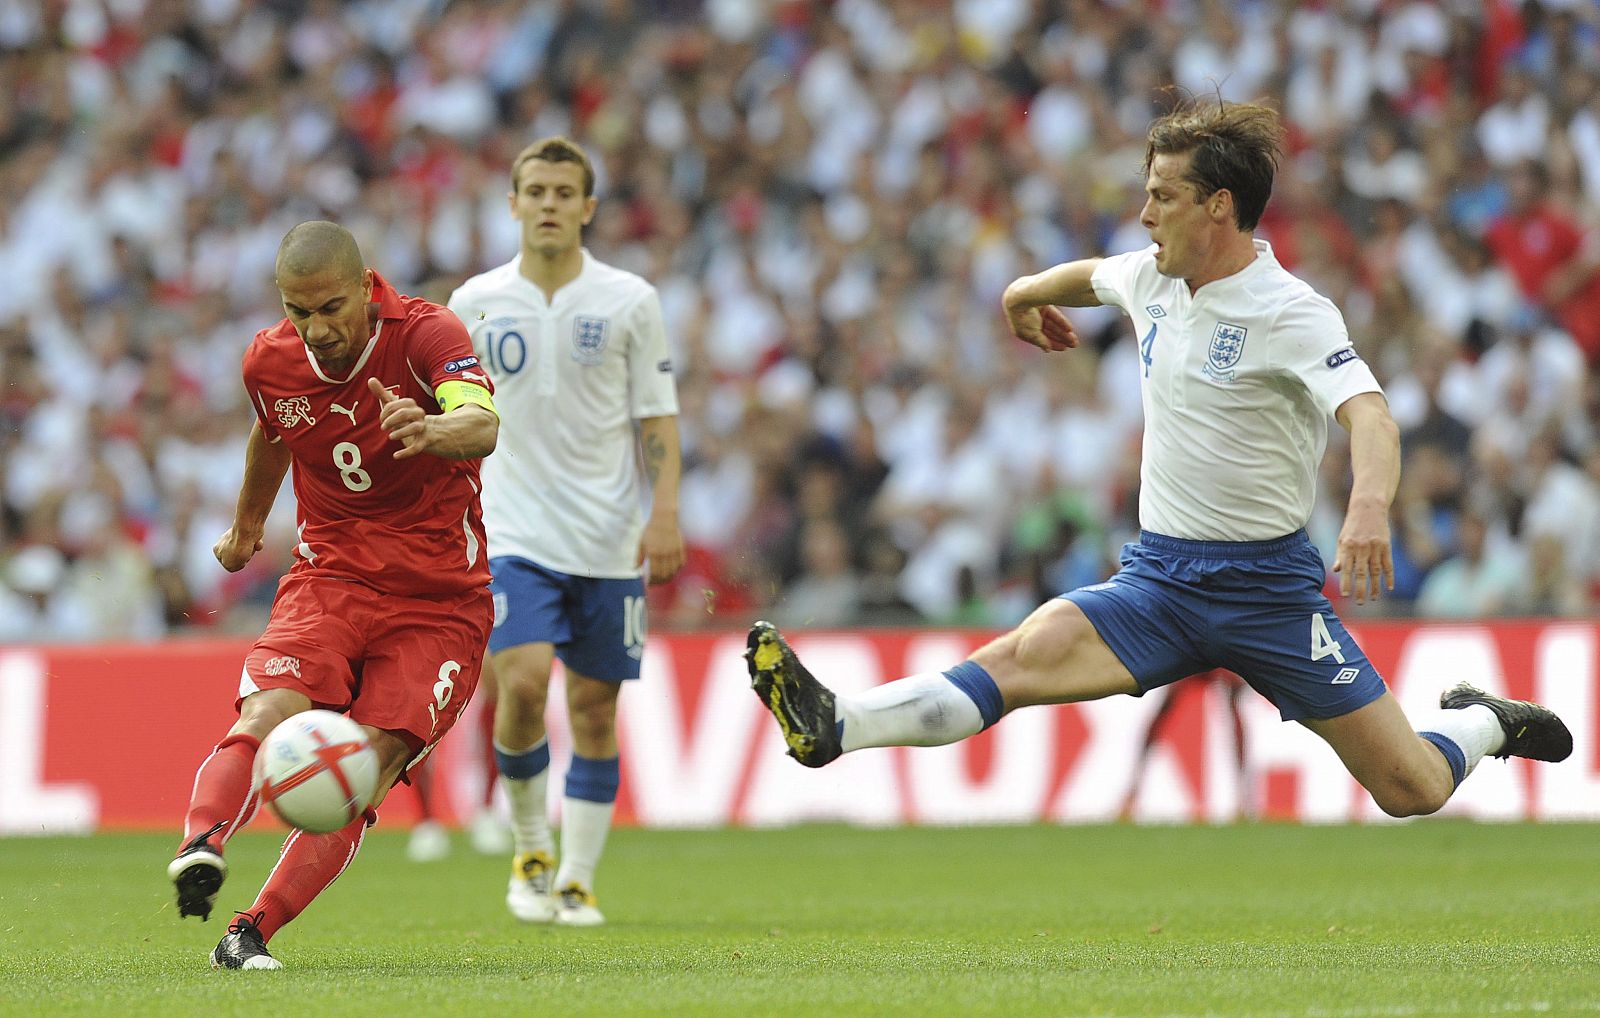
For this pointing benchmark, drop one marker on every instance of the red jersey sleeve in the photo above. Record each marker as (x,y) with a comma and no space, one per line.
(439,350)
(252,369)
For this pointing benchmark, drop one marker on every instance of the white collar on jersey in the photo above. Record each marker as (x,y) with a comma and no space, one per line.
(1264,257)
(515,265)
(372,344)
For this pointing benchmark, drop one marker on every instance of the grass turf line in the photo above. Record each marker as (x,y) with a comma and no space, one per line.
(1430,918)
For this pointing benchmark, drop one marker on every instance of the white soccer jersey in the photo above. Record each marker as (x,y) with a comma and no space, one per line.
(1238,382)
(563,487)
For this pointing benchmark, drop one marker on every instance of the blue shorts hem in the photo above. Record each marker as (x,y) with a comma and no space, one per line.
(1358,699)
(1111,635)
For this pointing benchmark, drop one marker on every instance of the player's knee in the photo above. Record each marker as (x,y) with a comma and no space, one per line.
(525,686)
(593,723)
(263,711)
(1407,795)
(593,731)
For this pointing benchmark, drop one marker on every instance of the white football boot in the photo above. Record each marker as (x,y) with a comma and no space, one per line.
(488,835)
(528,893)
(577,906)
(430,842)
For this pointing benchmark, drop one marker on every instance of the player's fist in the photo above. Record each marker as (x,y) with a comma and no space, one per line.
(1044,327)
(234,549)
(400,416)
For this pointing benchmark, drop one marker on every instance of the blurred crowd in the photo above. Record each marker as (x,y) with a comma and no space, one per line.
(830,197)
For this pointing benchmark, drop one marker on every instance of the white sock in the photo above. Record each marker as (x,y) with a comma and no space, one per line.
(921,710)
(530,817)
(584,826)
(1474,730)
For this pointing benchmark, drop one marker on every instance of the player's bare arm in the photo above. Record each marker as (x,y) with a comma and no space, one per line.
(468,432)
(661,544)
(1365,561)
(1033,304)
(265,463)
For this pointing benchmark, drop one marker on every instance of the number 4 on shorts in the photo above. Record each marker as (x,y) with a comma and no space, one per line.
(1322,641)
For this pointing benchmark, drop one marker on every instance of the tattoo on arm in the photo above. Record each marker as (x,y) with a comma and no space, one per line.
(655,451)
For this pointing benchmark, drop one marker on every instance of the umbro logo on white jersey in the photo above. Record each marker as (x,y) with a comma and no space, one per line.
(350,413)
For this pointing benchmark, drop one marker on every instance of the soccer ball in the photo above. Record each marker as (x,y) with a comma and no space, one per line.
(317,771)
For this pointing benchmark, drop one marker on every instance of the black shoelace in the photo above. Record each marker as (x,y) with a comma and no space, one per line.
(245,923)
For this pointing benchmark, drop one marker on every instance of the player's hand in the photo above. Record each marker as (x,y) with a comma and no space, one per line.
(1044,327)
(1365,561)
(234,549)
(405,422)
(661,545)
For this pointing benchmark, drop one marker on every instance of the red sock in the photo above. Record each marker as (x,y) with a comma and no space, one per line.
(222,790)
(491,767)
(308,864)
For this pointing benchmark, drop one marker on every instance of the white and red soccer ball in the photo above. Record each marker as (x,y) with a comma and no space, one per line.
(317,771)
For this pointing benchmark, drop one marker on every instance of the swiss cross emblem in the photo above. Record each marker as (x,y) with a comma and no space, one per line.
(293,410)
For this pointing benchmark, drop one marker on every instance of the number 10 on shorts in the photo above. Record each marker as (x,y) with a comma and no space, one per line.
(633,624)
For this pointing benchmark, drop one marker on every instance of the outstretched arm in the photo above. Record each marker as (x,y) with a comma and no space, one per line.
(1033,304)
(661,544)
(265,463)
(1364,544)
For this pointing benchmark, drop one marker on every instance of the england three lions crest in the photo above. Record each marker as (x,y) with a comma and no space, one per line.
(1227,346)
(589,337)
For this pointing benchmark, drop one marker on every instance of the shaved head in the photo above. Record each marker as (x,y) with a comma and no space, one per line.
(327,292)
(316,247)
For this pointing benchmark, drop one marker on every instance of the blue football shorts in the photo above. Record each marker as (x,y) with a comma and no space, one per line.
(1178,608)
(597,624)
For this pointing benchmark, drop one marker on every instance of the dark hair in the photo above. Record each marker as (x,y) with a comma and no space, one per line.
(1235,146)
(554,149)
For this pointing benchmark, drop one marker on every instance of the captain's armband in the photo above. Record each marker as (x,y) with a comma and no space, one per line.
(453,393)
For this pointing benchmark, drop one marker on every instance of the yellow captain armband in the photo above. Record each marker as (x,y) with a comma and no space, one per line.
(453,393)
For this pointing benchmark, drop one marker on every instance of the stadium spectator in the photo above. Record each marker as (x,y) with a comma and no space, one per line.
(1478,580)
(827,593)
(1515,128)
(1555,263)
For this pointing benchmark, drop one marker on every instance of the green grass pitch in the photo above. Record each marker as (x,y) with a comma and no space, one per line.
(1429,918)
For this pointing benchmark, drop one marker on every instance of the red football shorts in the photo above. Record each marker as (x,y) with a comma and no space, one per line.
(405,664)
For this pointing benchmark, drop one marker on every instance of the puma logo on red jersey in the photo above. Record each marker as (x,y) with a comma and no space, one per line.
(350,413)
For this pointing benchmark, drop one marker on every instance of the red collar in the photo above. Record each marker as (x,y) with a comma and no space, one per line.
(386,298)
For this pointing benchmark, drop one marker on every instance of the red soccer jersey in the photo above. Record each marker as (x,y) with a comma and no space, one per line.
(410,527)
